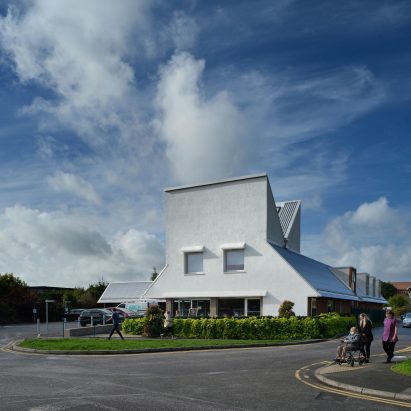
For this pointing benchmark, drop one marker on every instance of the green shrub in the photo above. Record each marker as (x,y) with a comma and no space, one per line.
(133,326)
(153,321)
(255,328)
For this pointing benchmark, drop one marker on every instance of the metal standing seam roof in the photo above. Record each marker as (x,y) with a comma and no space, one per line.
(286,213)
(369,298)
(121,292)
(317,274)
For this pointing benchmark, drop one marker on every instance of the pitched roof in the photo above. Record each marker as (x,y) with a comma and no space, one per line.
(317,274)
(401,285)
(124,291)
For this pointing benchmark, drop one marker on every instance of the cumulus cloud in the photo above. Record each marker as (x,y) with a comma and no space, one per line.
(48,248)
(79,51)
(70,183)
(373,238)
(204,136)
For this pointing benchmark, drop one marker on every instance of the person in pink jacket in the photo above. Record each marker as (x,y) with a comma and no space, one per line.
(390,334)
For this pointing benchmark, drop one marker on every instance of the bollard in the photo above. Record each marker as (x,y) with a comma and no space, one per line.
(38,327)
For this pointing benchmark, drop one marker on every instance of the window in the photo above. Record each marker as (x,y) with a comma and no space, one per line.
(253,306)
(313,307)
(230,307)
(233,260)
(193,263)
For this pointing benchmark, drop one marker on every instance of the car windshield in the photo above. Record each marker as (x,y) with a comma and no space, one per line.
(408,315)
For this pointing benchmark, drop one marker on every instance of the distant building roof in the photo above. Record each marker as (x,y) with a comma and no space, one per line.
(401,285)
(124,291)
(317,274)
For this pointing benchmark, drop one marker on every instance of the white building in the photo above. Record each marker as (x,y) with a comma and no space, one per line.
(232,250)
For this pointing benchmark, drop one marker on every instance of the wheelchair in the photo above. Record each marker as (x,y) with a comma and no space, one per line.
(353,355)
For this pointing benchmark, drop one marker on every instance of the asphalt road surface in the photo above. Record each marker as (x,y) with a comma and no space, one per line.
(235,379)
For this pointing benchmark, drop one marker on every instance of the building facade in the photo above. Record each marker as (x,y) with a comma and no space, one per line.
(232,250)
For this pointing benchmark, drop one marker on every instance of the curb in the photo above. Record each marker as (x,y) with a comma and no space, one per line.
(361,390)
(16,348)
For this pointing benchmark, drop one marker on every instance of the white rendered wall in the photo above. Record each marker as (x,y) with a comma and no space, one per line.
(214,215)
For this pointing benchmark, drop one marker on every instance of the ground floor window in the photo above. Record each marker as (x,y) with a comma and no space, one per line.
(313,307)
(330,306)
(230,307)
(253,306)
(191,308)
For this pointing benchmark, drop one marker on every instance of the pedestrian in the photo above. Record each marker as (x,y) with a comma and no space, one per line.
(116,324)
(365,329)
(168,324)
(390,334)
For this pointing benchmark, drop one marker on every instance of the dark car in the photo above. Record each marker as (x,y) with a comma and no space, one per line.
(73,314)
(100,316)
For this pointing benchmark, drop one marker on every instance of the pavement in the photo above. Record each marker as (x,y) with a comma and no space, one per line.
(375,378)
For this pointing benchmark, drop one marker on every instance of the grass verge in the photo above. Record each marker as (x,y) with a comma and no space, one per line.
(92,344)
(403,368)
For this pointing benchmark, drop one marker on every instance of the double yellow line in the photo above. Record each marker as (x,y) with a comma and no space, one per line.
(351,394)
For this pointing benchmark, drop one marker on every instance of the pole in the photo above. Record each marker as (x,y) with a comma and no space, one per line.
(64,325)
(38,327)
(47,317)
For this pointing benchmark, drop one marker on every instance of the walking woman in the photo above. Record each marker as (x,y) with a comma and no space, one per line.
(365,329)
(390,335)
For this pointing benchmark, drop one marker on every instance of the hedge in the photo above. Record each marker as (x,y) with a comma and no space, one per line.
(255,328)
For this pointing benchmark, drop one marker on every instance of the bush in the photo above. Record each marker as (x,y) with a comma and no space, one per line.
(153,321)
(262,328)
(286,309)
(133,326)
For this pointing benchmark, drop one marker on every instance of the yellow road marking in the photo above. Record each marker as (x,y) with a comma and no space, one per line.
(346,393)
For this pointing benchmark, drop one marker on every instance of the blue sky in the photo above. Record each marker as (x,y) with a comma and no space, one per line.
(104,104)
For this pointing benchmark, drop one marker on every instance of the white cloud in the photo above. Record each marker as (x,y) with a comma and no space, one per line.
(375,238)
(79,51)
(204,136)
(183,30)
(70,183)
(56,248)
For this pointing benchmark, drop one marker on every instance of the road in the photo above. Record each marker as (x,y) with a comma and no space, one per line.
(235,379)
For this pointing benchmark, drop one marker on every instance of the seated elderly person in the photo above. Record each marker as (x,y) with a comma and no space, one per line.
(351,342)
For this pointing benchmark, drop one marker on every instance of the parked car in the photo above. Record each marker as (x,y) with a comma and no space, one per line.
(100,316)
(73,314)
(406,322)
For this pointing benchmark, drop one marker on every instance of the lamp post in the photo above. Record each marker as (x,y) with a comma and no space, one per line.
(47,314)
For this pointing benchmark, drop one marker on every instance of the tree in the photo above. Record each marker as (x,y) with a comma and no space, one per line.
(286,309)
(399,304)
(154,274)
(15,299)
(97,289)
(387,290)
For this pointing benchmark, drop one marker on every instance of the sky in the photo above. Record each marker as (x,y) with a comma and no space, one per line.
(104,104)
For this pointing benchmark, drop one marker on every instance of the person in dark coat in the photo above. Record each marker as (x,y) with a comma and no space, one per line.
(365,329)
(116,324)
